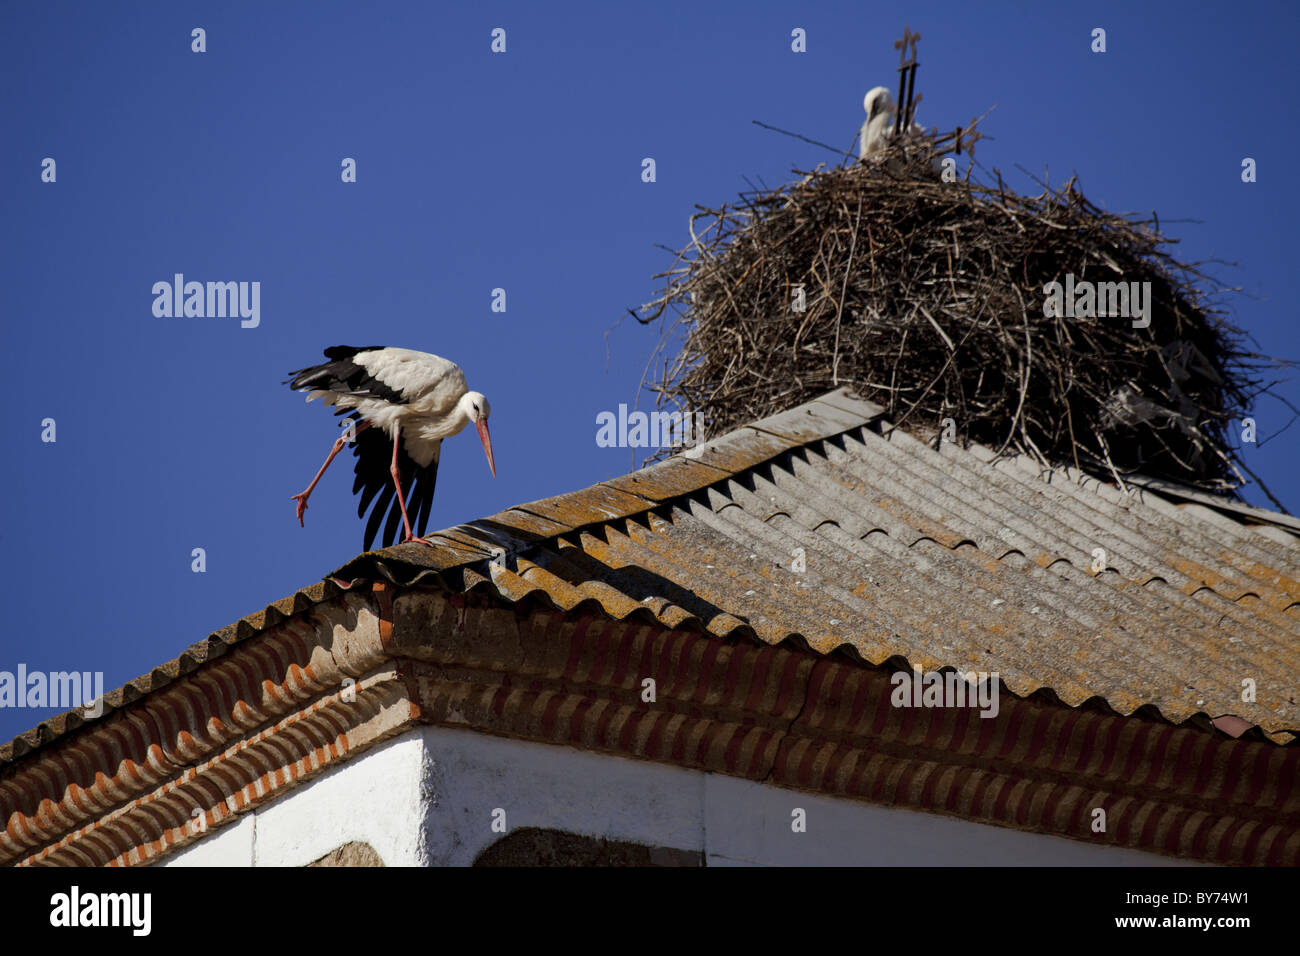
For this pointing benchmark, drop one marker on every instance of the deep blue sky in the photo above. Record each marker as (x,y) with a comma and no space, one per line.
(478,171)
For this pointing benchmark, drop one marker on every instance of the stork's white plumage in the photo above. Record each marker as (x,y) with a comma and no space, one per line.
(879,125)
(406,403)
(879,122)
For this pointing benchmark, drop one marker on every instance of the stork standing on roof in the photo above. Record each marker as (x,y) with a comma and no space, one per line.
(406,402)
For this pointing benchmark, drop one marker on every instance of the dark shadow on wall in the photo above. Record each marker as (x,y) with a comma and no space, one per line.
(534,846)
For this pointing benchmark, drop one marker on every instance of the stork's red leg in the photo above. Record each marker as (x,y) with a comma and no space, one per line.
(338,447)
(397,482)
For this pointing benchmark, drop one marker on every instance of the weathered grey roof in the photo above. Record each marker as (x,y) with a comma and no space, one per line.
(942,558)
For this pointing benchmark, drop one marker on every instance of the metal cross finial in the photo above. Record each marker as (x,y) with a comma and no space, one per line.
(907,57)
(906,79)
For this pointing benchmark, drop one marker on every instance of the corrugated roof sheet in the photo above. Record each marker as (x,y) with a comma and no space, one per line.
(944,558)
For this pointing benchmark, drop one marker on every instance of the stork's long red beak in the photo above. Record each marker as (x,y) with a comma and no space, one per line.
(486,438)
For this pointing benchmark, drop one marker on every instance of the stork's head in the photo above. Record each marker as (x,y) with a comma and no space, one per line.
(475,407)
(877,101)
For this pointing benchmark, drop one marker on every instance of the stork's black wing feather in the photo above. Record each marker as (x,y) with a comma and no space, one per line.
(347,351)
(421,504)
(342,374)
(377,515)
(374,482)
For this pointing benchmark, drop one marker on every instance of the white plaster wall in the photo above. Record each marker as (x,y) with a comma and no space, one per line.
(539,785)
(232,845)
(749,824)
(375,798)
(428,797)
(733,821)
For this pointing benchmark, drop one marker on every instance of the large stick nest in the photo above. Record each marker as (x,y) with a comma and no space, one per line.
(927,297)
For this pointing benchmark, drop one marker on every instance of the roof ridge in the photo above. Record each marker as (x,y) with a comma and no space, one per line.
(645,489)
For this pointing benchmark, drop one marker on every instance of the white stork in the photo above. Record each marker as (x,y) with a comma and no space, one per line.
(879,124)
(415,400)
